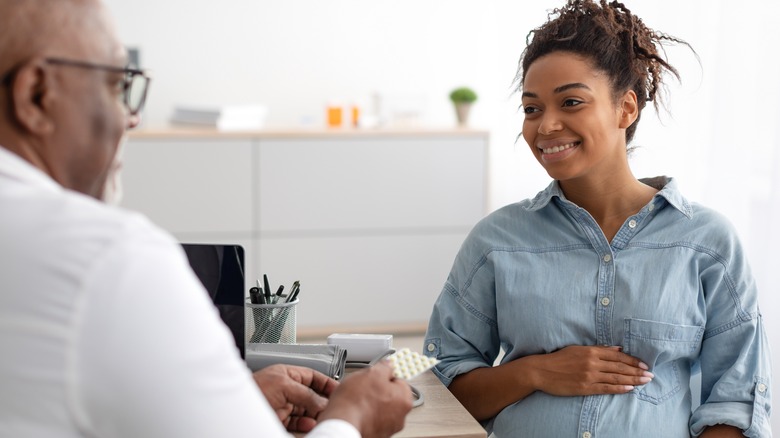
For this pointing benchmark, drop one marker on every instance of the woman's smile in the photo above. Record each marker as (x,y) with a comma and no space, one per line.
(558,152)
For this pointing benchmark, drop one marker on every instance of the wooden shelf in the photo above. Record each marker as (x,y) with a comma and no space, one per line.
(283,133)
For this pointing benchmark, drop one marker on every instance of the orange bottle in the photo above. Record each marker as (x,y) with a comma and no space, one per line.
(334,116)
(355,116)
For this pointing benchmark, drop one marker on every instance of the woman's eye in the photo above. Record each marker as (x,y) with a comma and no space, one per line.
(571,102)
(530,109)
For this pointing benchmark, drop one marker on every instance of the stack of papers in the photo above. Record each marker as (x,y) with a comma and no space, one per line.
(227,118)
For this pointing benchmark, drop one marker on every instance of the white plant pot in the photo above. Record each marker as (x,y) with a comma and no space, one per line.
(462,112)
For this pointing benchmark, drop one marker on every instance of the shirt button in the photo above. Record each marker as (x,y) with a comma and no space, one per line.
(431,347)
(605,301)
(607,258)
(651,207)
(761,388)
(632,223)
(586,435)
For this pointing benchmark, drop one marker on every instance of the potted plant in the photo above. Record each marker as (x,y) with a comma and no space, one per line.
(462,98)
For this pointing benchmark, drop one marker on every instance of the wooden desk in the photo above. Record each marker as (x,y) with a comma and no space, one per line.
(441,415)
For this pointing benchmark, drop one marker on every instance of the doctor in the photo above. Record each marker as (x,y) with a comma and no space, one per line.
(83,354)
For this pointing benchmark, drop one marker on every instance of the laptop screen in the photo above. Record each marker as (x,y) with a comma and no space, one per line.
(221,270)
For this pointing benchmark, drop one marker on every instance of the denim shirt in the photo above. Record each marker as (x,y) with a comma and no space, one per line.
(673,289)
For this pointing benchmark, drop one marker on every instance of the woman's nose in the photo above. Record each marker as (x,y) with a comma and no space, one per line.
(550,123)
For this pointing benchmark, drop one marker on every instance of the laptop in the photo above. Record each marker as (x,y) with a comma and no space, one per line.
(221,270)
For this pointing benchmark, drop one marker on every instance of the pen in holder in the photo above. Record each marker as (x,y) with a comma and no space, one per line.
(271,323)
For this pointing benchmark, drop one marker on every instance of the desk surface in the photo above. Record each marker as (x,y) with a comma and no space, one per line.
(441,415)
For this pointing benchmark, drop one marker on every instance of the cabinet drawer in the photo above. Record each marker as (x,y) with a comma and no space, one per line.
(352,183)
(190,186)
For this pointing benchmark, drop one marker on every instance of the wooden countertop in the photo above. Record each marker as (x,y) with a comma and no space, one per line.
(276,133)
(441,415)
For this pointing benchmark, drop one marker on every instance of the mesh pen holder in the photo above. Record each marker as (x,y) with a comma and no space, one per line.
(271,323)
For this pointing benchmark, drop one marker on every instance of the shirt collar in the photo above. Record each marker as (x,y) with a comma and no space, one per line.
(667,189)
(15,167)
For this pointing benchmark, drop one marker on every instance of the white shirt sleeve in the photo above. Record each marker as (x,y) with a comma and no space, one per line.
(334,428)
(153,359)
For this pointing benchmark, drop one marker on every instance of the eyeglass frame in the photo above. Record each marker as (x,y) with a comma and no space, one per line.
(128,72)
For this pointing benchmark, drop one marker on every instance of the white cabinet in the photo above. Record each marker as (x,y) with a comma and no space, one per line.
(191,186)
(378,183)
(369,223)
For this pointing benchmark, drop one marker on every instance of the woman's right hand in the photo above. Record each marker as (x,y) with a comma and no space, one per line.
(581,370)
(570,371)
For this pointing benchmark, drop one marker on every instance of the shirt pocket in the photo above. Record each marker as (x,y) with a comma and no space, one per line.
(661,346)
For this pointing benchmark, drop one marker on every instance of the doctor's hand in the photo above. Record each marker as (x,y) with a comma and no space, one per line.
(372,400)
(297,394)
(587,370)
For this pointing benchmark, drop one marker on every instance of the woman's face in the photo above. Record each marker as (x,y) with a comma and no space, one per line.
(573,124)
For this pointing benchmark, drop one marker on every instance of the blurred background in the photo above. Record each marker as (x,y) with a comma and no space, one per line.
(399,61)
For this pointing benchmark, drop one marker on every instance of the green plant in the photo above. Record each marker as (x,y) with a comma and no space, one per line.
(463,95)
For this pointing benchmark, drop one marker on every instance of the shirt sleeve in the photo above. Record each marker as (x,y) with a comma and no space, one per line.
(153,359)
(462,331)
(736,381)
(334,428)
(735,357)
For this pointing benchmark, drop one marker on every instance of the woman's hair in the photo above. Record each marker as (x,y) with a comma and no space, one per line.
(613,39)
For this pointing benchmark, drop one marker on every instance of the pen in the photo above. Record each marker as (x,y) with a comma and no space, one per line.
(267,288)
(278,293)
(254,297)
(294,292)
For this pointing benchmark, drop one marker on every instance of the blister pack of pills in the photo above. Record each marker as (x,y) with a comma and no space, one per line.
(408,364)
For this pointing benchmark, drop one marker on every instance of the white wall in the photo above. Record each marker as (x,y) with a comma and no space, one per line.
(720,140)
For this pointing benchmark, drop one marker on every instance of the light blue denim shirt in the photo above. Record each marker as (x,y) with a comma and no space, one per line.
(673,289)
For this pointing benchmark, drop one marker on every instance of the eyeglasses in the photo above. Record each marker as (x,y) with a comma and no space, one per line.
(134,86)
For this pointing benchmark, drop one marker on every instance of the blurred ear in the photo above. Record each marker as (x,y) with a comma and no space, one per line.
(628,110)
(31,93)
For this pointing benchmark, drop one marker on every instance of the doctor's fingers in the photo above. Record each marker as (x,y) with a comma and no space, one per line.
(306,402)
(299,423)
(315,380)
